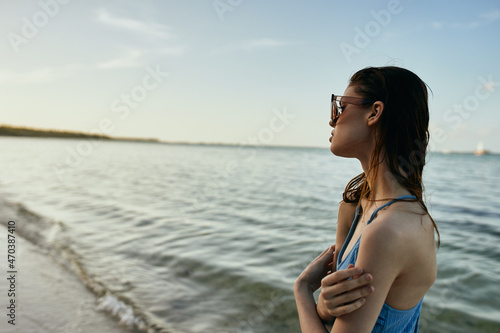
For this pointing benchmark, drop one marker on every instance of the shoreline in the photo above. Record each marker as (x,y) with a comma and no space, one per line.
(48,297)
(90,137)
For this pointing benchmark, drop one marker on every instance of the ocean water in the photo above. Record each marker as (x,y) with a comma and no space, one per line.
(206,238)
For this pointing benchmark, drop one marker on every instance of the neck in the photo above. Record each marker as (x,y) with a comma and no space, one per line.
(384,184)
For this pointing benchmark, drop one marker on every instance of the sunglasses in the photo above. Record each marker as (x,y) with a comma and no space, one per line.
(338,106)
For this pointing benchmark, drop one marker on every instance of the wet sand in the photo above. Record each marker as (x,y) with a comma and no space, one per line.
(49,298)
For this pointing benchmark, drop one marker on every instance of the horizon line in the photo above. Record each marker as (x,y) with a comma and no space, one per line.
(90,135)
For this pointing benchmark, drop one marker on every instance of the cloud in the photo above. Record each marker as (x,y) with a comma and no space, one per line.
(128,60)
(491,16)
(482,20)
(255,44)
(263,43)
(171,50)
(41,75)
(147,28)
(437,25)
(133,57)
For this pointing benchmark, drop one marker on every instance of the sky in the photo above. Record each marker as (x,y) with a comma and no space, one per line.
(240,71)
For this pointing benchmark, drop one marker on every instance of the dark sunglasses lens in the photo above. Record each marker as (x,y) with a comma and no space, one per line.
(333,113)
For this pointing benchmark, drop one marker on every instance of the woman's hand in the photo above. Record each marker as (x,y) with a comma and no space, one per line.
(343,292)
(316,270)
(305,285)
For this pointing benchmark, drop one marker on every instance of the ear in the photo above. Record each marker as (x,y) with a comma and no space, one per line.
(376,112)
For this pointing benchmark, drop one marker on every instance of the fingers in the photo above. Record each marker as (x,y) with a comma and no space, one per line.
(345,303)
(341,304)
(328,253)
(325,258)
(345,285)
(341,275)
(347,308)
(346,298)
(328,250)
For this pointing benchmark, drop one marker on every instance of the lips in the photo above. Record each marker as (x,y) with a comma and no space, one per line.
(330,139)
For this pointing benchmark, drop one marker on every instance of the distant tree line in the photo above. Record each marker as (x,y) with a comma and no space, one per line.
(6,130)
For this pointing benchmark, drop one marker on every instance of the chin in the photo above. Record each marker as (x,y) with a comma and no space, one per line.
(335,150)
(340,151)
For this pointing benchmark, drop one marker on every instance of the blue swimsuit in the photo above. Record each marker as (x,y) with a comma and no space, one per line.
(389,320)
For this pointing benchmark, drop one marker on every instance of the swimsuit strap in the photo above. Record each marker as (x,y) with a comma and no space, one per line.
(389,203)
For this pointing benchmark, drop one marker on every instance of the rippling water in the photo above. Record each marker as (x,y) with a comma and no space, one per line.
(211,238)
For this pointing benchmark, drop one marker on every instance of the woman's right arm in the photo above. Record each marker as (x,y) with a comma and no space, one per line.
(343,291)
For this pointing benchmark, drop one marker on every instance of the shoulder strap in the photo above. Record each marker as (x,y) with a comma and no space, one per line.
(387,204)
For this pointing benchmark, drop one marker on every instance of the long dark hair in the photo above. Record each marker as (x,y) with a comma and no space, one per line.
(402,132)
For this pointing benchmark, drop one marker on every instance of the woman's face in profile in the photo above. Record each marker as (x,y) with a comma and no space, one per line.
(351,135)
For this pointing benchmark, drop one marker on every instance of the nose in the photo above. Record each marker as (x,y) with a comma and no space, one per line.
(332,123)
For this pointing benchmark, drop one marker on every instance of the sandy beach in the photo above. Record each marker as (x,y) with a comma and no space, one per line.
(49,298)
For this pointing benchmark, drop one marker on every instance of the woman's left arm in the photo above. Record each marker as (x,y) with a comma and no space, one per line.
(310,322)
(347,289)
(304,287)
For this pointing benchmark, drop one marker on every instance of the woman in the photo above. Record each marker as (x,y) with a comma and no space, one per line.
(384,226)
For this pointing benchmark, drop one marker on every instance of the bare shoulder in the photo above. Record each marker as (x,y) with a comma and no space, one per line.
(346,214)
(406,219)
(404,227)
(403,236)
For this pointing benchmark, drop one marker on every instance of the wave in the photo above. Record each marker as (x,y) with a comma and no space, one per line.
(49,235)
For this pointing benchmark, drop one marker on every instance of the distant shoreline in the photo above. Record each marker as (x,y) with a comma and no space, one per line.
(19,131)
(6,130)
